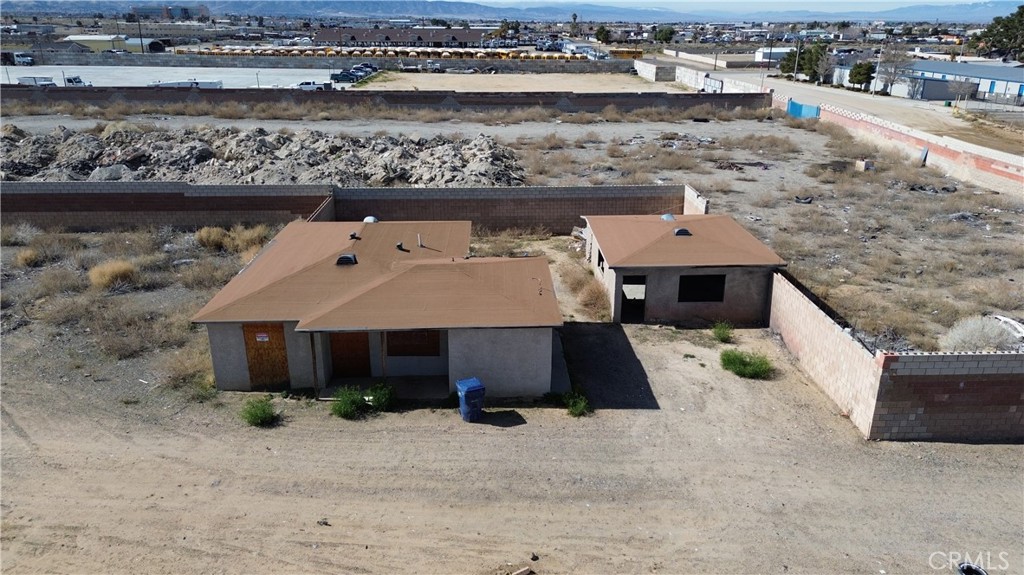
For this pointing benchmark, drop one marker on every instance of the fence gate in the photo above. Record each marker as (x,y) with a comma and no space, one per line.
(798,110)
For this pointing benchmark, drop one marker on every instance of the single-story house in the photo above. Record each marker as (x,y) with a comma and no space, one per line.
(689,269)
(332,303)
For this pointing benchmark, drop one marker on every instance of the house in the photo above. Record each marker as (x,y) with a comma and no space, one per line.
(690,269)
(326,303)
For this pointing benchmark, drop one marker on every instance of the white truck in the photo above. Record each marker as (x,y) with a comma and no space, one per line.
(311,86)
(41,81)
(76,82)
(23,59)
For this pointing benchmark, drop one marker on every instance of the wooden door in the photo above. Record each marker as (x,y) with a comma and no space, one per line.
(267,354)
(350,354)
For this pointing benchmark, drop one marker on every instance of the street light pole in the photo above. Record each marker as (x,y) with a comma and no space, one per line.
(142,48)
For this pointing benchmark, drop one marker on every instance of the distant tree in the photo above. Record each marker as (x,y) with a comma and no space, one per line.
(665,34)
(843,25)
(603,34)
(893,64)
(862,73)
(824,67)
(259,21)
(1004,36)
(787,65)
(98,16)
(130,17)
(464,25)
(439,22)
(203,19)
(307,25)
(963,89)
(79,23)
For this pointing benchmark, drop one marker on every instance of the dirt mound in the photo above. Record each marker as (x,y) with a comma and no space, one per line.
(207,155)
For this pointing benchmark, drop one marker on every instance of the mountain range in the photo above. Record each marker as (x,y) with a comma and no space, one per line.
(978,12)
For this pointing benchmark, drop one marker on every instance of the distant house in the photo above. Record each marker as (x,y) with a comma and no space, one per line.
(690,269)
(931,79)
(61,47)
(326,303)
(100,42)
(402,37)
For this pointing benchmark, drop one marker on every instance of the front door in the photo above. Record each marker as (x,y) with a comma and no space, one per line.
(267,355)
(350,354)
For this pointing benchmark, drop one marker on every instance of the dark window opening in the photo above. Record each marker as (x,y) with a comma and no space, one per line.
(701,288)
(414,343)
(600,259)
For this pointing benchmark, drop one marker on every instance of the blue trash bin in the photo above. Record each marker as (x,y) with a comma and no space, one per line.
(471,398)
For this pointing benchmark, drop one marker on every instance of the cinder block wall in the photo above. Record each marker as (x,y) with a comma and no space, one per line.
(117,205)
(951,396)
(557,209)
(843,368)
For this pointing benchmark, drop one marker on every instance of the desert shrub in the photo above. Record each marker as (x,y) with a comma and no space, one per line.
(260,412)
(54,247)
(28,258)
(594,299)
(212,238)
(716,186)
(248,255)
(58,281)
(551,141)
(349,403)
(674,160)
(575,276)
(746,364)
(382,397)
(576,403)
(722,330)
(590,137)
(773,145)
(190,369)
(124,330)
(71,310)
(114,274)
(19,235)
(977,333)
(242,238)
(127,244)
(206,274)
(615,151)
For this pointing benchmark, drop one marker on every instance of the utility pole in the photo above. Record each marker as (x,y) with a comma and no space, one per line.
(878,69)
(796,64)
(142,48)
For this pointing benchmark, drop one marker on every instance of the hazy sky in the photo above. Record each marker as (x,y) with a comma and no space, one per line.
(740,6)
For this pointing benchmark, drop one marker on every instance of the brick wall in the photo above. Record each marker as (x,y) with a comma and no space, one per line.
(951,396)
(447,100)
(843,368)
(557,209)
(116,205)
(993,169)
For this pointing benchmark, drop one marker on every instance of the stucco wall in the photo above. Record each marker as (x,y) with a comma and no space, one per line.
(230,364)
(509,362)
(695,202)
(843,368)
(300,357)
(654,71)
(745,302)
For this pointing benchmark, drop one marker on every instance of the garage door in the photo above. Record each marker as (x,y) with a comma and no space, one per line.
(267,354)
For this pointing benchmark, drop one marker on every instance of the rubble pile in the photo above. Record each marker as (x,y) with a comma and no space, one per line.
(210,155)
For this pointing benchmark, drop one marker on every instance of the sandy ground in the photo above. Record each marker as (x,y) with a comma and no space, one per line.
(684,468)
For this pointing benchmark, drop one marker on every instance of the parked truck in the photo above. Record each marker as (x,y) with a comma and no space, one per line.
(41,81)
(76,82)
(24,59)
(311,86)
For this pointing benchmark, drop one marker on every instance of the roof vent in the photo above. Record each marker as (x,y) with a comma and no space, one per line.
(370,220)
(354,236)
(346,260)
(668,218)
(681,232)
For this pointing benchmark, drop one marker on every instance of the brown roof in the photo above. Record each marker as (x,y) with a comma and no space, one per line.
(650,241)
(296,278)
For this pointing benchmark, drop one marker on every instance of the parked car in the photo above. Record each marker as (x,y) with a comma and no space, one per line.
(368,66)
(345,77)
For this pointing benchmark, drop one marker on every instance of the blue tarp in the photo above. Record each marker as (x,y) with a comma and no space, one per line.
(798,110)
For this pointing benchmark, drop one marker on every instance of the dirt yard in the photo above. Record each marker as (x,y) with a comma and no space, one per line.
(108,467)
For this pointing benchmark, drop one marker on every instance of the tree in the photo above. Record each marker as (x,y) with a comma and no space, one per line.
(603,34)
(665,34)
(1005,36)
(787,65)
(963,89)
(862,74)
(893,64)
(824,68)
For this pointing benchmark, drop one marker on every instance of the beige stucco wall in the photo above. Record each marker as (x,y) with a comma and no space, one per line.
(746,300)
(513,362)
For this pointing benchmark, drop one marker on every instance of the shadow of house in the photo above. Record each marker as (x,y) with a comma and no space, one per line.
(604,366)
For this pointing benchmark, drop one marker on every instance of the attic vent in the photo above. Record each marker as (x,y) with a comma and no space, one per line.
(681,232)
(346,260)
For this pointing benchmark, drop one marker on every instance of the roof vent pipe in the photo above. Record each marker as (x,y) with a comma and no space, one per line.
(419,241)
(353,236)
(400,247)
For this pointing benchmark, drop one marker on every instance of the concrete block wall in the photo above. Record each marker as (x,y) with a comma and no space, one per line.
(950,397)
(119,205)
(653,71)
(556,209)
(694,202)
(992,169)
(706,60)
(843,368)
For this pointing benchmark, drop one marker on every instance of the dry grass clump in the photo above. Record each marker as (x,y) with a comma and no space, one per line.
(594,299)
(665,159)
(53,246)
(55,281)
(28,258)
(128,244)
(206,274)
(716,186)
(191,369)
(248,255)
(590,137)
(551,141)
(615,151)
(71,310)
(113,274)
(238,240)
(769,144)
(212,238)
(504,243)
(978,333)
(19,235)
(574,276)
